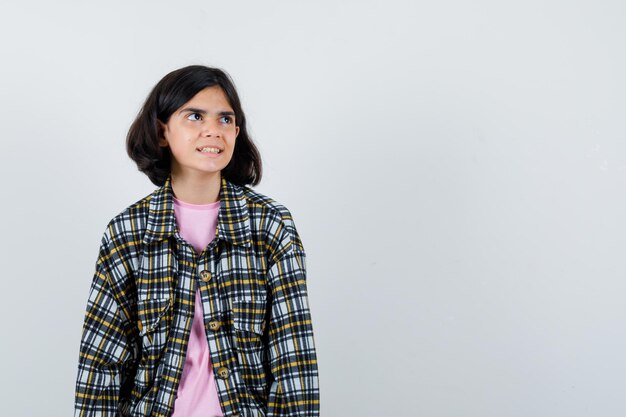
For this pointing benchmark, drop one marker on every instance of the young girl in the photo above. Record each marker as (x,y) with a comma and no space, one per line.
(198,305)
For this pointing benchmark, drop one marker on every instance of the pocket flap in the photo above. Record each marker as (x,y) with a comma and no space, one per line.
(150,311)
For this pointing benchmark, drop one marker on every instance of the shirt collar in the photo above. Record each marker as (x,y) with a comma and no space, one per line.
(232,219)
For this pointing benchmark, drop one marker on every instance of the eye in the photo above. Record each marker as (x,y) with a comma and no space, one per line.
(228,119)
(195,114)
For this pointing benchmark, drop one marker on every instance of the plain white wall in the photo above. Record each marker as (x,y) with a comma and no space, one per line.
(456,170)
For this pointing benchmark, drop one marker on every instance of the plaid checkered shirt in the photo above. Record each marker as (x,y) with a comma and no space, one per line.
(140,307)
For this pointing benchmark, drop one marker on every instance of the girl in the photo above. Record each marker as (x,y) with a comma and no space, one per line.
(198,305)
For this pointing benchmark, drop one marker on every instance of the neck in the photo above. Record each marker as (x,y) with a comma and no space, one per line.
(196,189)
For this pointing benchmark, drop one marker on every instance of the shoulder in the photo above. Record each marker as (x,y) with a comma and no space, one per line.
(129,224)
(262,205)
(117,256)
(273,219)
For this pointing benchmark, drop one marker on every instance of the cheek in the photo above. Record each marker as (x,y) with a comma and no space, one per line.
(187,135)
(183,137)
(181,148)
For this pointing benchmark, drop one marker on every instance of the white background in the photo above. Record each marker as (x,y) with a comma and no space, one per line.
(456,171)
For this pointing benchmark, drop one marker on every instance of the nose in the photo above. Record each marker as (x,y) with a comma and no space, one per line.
(210,129)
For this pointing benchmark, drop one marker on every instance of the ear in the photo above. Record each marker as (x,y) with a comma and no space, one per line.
(162,139)
(236,131)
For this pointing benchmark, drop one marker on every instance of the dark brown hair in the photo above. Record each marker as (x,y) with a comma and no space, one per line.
(169,94)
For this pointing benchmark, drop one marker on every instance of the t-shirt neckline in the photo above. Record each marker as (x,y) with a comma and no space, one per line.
(207,206)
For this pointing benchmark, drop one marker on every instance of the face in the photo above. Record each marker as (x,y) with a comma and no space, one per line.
(204,122)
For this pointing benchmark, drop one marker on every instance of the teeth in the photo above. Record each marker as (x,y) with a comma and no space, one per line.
(213,150)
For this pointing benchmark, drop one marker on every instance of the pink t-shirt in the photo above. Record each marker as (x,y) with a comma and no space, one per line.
(197,393)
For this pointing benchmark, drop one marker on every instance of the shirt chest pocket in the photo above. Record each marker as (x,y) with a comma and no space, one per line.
(248,324)
(154,320)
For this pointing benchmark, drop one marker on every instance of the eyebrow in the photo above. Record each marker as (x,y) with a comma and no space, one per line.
(203,112)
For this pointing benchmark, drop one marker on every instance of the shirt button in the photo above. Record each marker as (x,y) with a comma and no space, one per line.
(206,275)
(215,325)
(222,372)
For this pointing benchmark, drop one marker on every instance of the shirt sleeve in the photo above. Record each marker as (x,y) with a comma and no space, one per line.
(293,360)
(104,349)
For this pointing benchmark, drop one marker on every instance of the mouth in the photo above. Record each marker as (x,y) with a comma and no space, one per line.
(209,149)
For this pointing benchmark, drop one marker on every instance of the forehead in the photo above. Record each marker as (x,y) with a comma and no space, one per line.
(212,96)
